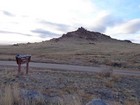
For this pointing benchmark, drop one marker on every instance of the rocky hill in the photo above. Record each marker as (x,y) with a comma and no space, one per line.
(84,34)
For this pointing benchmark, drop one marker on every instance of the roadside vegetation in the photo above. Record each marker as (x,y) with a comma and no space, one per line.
(50,87)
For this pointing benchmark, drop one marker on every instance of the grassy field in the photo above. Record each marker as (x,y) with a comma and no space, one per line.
(49,87)
(81,52)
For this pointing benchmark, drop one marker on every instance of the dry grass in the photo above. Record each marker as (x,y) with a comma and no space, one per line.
(108,77)
(48,87)
(128,102)
(10,96)
(106,71)
(117,54)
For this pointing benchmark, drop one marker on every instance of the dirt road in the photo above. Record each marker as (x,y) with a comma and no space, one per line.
(72,68)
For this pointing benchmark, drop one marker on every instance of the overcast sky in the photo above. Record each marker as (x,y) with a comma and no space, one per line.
(39,20)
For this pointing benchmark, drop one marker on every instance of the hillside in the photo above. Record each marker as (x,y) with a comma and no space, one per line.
(80,47)
(85,35)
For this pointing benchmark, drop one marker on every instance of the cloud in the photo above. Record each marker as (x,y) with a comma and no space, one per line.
(64,11)
(9,32)
(135,40)
(11,38)
(58,26)
(131,27)
(8,13)
(127,27)
(103,21)
(44,33)
(55,17)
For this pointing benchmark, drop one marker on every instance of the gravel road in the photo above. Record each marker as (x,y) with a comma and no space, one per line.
(72,68)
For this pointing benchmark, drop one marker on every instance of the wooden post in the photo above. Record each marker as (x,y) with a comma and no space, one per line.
(27,67)
(19,68)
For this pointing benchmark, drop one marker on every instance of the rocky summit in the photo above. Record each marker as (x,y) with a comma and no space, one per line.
(82,33)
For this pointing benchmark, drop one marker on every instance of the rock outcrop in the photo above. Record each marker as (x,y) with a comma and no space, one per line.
(84,34)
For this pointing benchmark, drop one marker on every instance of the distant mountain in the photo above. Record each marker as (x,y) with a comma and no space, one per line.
(84,34)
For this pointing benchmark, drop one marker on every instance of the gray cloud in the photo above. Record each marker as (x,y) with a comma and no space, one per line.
(127,27)
(44,33)
(9,32)
(102,23)
(8,13)
(117,25)
(135,40)
(99,28)
(132,26)
(61,27)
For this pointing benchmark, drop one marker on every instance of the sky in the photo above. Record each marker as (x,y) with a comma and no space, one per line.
(23,21)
